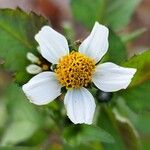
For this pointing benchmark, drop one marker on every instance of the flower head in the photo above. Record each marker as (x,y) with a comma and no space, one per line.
(75,71)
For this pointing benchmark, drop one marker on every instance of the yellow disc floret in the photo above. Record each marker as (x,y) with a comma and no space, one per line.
(75,70)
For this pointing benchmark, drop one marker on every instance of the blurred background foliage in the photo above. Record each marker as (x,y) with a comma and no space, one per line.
(121,119)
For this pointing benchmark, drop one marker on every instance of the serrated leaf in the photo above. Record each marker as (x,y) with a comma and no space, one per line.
(142,63)
(17,30)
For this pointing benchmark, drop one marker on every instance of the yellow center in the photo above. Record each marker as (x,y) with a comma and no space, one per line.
(75,70)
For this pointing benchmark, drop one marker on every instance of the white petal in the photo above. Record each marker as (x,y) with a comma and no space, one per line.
(33,69)
(42,88)
(110,77)
(53,45)
(80,105)
(96,44)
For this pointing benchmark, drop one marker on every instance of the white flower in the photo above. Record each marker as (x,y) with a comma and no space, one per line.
(75,71)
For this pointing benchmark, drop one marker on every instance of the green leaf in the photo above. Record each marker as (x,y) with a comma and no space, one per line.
(24,119)
(117,52)
(17,30)
(125,110)
(17,148)
(88,11)
(120,128)
(18,132)
(133,35)
(85,133)
(145,143)
(138,97)
(3,113)
(119,12)
(143,123)
(127,131)
(142,63)
(105,11)
(19,106)
(107,122)
(93,133)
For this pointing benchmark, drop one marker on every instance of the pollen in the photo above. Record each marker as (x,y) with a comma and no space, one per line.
(75,70)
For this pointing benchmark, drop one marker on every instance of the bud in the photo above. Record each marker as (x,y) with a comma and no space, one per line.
(32,58)
(53,67)
(33,69)
(103,97)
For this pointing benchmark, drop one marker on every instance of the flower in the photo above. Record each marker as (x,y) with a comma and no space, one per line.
(75,71)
